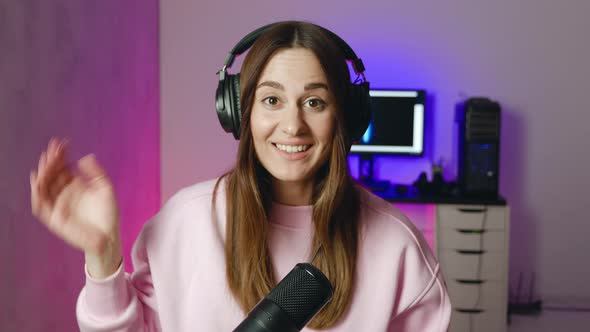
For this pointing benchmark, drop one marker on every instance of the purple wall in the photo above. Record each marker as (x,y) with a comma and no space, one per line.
(87,71)
(531,56)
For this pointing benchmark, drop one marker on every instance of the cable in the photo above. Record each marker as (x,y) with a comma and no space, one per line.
(317,250)
(571,309)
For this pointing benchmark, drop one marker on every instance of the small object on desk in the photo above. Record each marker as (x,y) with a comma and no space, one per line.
(422,184)
(437,187)
(401,189)
(376,186)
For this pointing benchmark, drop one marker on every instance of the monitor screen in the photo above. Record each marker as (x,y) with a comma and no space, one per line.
(397,126)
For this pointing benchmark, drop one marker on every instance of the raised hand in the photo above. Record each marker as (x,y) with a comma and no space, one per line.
(77,203)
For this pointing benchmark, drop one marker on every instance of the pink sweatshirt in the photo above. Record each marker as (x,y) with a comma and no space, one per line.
(179,278)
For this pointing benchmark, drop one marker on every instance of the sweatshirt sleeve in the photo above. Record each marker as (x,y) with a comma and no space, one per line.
(430,311)
(426,303)
(121,302)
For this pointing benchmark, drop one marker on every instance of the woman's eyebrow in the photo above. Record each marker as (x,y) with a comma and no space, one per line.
(271,84)
(279,86)
(312,86)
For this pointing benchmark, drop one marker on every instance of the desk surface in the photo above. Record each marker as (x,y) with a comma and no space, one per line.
(391,194)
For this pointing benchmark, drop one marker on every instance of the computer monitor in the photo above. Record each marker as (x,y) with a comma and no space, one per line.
(397,126)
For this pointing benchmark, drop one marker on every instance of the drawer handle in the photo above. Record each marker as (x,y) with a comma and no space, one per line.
(470,231)
(472,210)
(470,311)
(471,252)
(470,281)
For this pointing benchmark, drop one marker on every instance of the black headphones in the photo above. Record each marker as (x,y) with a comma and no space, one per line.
(227,96)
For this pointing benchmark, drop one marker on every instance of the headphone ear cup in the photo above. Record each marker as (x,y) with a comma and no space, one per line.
(231,93)
(223,107)
(236,107)
(361,112)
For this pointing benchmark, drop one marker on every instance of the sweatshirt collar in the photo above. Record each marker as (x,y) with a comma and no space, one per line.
(291,216)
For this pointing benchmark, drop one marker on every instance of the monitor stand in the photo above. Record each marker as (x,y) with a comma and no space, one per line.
(366,170)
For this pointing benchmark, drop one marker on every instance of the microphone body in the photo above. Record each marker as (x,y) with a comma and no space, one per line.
(292,303)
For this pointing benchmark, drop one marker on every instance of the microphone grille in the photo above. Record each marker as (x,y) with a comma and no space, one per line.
(302,293)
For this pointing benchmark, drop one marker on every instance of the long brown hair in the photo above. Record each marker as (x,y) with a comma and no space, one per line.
(248,192)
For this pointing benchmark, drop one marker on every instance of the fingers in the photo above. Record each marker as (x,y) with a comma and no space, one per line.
(62,179)
(91,169)
(43,189)
(46,158)
(51,147)
(66,199)
(51,163)
(39,210)
(41,175)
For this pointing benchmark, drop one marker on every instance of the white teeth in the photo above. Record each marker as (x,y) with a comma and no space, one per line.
(292,148)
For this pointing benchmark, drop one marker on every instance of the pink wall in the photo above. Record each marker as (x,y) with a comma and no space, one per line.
(530,55)
(87,71)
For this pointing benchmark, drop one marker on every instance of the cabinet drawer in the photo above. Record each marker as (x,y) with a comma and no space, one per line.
(485,321)
(489,265)
(469,239)
(471,217)
(486,295)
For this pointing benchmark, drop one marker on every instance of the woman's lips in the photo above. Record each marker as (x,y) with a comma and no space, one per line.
(293,151)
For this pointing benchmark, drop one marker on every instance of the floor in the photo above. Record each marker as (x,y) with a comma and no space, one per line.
(551,321)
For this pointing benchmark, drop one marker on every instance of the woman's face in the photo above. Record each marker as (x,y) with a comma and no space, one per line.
(293,116)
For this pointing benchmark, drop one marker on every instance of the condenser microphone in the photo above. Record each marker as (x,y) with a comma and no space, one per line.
(292,303)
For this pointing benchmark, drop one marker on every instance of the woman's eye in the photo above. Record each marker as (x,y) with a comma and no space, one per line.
(315,103)
(271,100)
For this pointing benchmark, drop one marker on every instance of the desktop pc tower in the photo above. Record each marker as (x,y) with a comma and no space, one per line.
(479,147)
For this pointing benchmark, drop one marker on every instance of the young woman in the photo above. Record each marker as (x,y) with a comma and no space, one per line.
(217,248)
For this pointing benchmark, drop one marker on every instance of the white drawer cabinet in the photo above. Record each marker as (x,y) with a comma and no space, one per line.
(462,239)
(483,295)
(472,216)
(472,247)
(471,265)
(482,320)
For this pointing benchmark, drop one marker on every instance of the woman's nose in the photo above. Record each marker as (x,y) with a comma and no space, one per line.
(292,121)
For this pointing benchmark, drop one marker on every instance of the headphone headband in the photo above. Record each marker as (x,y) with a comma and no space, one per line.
(245,43)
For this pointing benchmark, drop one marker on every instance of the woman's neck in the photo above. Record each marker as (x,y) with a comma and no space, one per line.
(292,192)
